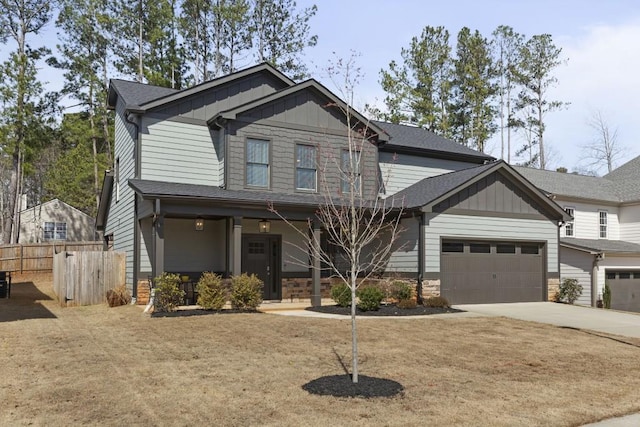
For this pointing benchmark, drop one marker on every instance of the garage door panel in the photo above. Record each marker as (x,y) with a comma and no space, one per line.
(625,290)
(474,278)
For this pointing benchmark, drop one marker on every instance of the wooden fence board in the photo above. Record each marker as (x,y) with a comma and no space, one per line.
(39,256)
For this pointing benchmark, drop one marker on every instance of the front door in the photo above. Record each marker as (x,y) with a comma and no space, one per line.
(261,256)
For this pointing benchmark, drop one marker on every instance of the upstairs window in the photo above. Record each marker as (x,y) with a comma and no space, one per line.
(55,231)
(603,224)
(306,172)
(257,163)
(568,227)
(350,174)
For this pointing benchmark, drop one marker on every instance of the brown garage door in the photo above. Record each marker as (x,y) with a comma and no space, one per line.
(492,272)
(625,289)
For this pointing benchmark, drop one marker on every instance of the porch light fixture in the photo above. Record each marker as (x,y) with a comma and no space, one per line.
(265,226)
(199,224)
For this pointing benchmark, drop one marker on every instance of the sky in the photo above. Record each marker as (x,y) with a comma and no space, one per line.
(600,42)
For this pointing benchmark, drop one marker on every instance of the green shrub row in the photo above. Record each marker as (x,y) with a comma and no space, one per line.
(245,293)
(370,297)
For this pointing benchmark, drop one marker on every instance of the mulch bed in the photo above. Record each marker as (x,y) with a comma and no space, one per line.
(200,312)
(385,310)
(342,386)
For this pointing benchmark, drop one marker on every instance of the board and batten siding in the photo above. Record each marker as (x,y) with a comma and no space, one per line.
(629,217)
(577,265)
(179,152)
(121,218)
(586,223)
(402,170)
(492,228)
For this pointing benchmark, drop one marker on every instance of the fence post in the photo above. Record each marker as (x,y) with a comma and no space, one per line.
(21,258)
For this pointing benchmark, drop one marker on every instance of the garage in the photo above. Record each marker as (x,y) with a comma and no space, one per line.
(625,289)
(482,272)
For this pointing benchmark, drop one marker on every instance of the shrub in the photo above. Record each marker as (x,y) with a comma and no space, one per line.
(440,302)
(401,290)
(168,294)
(246,292)
(118,296)
(369,298)
(212,294)
(606,296)
(341,294)
(570,290)
(407,303)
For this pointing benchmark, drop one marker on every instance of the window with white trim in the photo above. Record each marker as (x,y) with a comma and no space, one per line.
(306,172)
(603,224)
(257,163)
(55,231)
(569,229)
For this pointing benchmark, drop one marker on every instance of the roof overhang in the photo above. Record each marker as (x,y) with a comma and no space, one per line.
(445,155)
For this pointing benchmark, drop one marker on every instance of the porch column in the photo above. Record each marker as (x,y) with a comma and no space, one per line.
(316,293)
(422,227)
(158,249)
(237,246)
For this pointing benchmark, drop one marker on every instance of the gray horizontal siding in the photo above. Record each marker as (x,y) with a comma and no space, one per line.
(404,257)
(469,227)
(179,152)
(188,250)
(577,265)
(402,170)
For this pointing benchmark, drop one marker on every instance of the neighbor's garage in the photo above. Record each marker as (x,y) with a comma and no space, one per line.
(477,272)
(625,289)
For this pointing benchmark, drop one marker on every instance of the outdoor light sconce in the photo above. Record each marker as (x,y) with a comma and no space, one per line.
(265,226)
(199,224)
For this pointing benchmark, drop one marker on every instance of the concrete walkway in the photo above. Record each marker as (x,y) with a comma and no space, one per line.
(595,319)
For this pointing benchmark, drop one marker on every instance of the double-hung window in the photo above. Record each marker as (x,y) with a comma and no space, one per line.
(55,231)
(306,171)
(603,224)
(257,163)
(569,230)
(351,177)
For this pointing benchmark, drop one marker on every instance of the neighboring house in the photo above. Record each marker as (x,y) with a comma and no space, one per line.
(55,220)
(602,241)
(194,170)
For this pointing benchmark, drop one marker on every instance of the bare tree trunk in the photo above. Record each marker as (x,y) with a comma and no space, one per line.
(543,164)
(105,114)
(94,143)
(354,333)
(140,42)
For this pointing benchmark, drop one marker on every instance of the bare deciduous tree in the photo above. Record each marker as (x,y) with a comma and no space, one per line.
(361,226)
(604,148)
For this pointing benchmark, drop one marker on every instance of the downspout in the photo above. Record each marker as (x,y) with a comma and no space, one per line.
(594,278)
(421,253)
(132,119)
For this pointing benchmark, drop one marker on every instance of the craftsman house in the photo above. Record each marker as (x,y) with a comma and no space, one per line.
(195,170)
(601,243)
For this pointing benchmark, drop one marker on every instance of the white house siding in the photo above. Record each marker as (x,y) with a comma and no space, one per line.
(612,262)
(402,170)
(120,222)
(479,227)
(179,152)
(629,217)
(578,265)
(293,243)
(404,258)
(587,220)
(80,226)
(188,250)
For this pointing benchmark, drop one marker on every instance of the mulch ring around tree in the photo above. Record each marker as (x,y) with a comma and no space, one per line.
(342,386)
(385,310)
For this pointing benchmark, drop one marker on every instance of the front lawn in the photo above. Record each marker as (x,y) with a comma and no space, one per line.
(117,366)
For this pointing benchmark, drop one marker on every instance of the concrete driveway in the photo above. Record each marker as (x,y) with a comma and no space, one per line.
(607,321)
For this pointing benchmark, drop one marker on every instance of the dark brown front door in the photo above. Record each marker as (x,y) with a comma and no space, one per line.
(261,256)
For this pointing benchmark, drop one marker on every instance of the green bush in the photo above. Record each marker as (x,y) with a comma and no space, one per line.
(168,294)
(606,296)
(570,290)
(440,302)
(212,294)
(341,294)
(246,292)
(401,290)
(369,298)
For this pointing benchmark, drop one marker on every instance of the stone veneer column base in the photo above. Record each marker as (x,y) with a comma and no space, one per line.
(143,292)
(553,286)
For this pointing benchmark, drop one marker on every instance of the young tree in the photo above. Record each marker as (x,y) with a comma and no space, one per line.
(538,58)
(420,89)
(363,227)
(473,115)
(604,149)
(507,44)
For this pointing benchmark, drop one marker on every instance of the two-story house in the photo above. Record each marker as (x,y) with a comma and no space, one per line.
(196,169)
(602,241)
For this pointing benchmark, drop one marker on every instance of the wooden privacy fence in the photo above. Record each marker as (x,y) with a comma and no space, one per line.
(83,278)
(27,257)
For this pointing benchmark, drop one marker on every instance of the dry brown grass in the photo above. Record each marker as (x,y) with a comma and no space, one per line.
(116,366)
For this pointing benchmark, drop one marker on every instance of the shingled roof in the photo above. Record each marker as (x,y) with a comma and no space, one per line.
(134,94)
(413,138)
(601,245)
